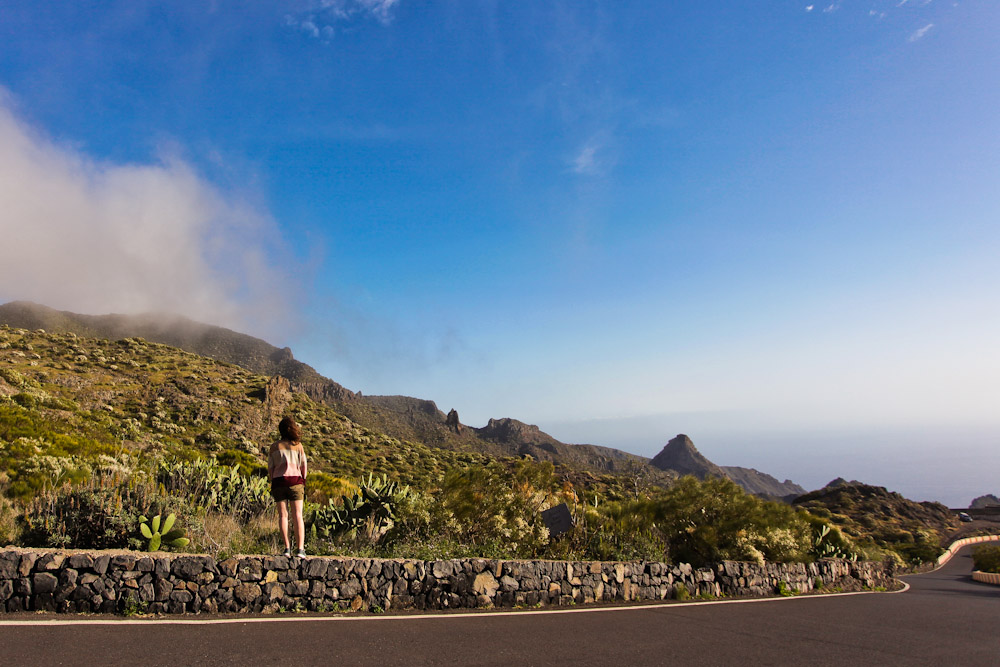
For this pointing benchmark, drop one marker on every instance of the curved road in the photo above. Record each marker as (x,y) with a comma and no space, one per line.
(944,618)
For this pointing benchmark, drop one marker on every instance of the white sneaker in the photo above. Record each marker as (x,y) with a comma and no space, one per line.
(301,553)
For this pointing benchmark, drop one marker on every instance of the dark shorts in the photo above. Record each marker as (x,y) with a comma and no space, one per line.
(296,492)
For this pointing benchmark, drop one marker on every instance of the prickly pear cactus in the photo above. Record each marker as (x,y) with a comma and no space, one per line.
(164,535)
(369,511)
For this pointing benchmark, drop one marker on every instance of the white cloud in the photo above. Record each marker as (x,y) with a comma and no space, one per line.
(380,9)
(919,34)
(319,18)
(809,8)
(96,237)
(585,161)
(310,28)
(832,8)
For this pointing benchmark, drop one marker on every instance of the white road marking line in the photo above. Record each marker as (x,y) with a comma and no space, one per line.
(421,617)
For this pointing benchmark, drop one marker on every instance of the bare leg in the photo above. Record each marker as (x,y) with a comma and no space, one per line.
(300,526)
(283,520)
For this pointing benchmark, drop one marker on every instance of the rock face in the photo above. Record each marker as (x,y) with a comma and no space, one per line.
(451,421)
(111,582)
(277,395)
(681,456)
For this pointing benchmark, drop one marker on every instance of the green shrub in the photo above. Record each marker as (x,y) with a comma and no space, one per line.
(986,558)
(704,522)
(9,530)
(214,487)
(100,514)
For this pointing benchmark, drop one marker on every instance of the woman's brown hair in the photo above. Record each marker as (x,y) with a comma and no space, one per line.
(289,430)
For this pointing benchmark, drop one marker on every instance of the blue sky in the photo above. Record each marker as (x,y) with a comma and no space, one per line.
(771,226)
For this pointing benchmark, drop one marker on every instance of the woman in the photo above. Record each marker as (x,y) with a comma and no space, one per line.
(286,468)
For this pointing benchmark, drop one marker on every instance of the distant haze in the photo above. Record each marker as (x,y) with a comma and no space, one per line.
(951,466)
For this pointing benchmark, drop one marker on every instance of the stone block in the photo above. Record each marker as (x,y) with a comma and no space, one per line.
(123,562)
(22,586)
(274,592)
(26,564)
(297,588)
(442,569)
(101,564)
(315,568)
(229,567)
(275,563)
(163,588)
(187,567)
(80,561)
(247,593)
(49,562)
(68,577)
(183,596)
(249,569)
(485,584)
(161,567)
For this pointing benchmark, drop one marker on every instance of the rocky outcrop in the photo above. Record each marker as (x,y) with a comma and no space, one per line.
(110,582)
(989,500)
(277,396)
(452,422)
(681,456)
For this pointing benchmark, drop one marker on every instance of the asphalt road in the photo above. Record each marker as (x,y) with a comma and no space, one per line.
(945,618)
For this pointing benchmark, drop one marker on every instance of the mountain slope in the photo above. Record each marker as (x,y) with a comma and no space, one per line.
(888,519)
(400,417)
(763,484)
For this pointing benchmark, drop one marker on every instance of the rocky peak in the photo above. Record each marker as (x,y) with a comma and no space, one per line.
(451,421)
(681,456)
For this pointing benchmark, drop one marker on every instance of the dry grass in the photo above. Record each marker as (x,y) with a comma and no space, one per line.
(222,534)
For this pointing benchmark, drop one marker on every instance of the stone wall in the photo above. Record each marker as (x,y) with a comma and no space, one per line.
(110,582)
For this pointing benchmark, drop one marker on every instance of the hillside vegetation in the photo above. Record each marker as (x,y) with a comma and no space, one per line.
(401,417)
(96,434)
(876,517)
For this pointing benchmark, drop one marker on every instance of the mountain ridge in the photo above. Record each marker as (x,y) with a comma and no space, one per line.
(401,417)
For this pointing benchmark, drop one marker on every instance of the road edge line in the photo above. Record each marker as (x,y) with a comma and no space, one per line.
(416,617)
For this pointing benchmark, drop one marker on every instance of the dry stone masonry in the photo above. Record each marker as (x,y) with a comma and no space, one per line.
(113,582)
